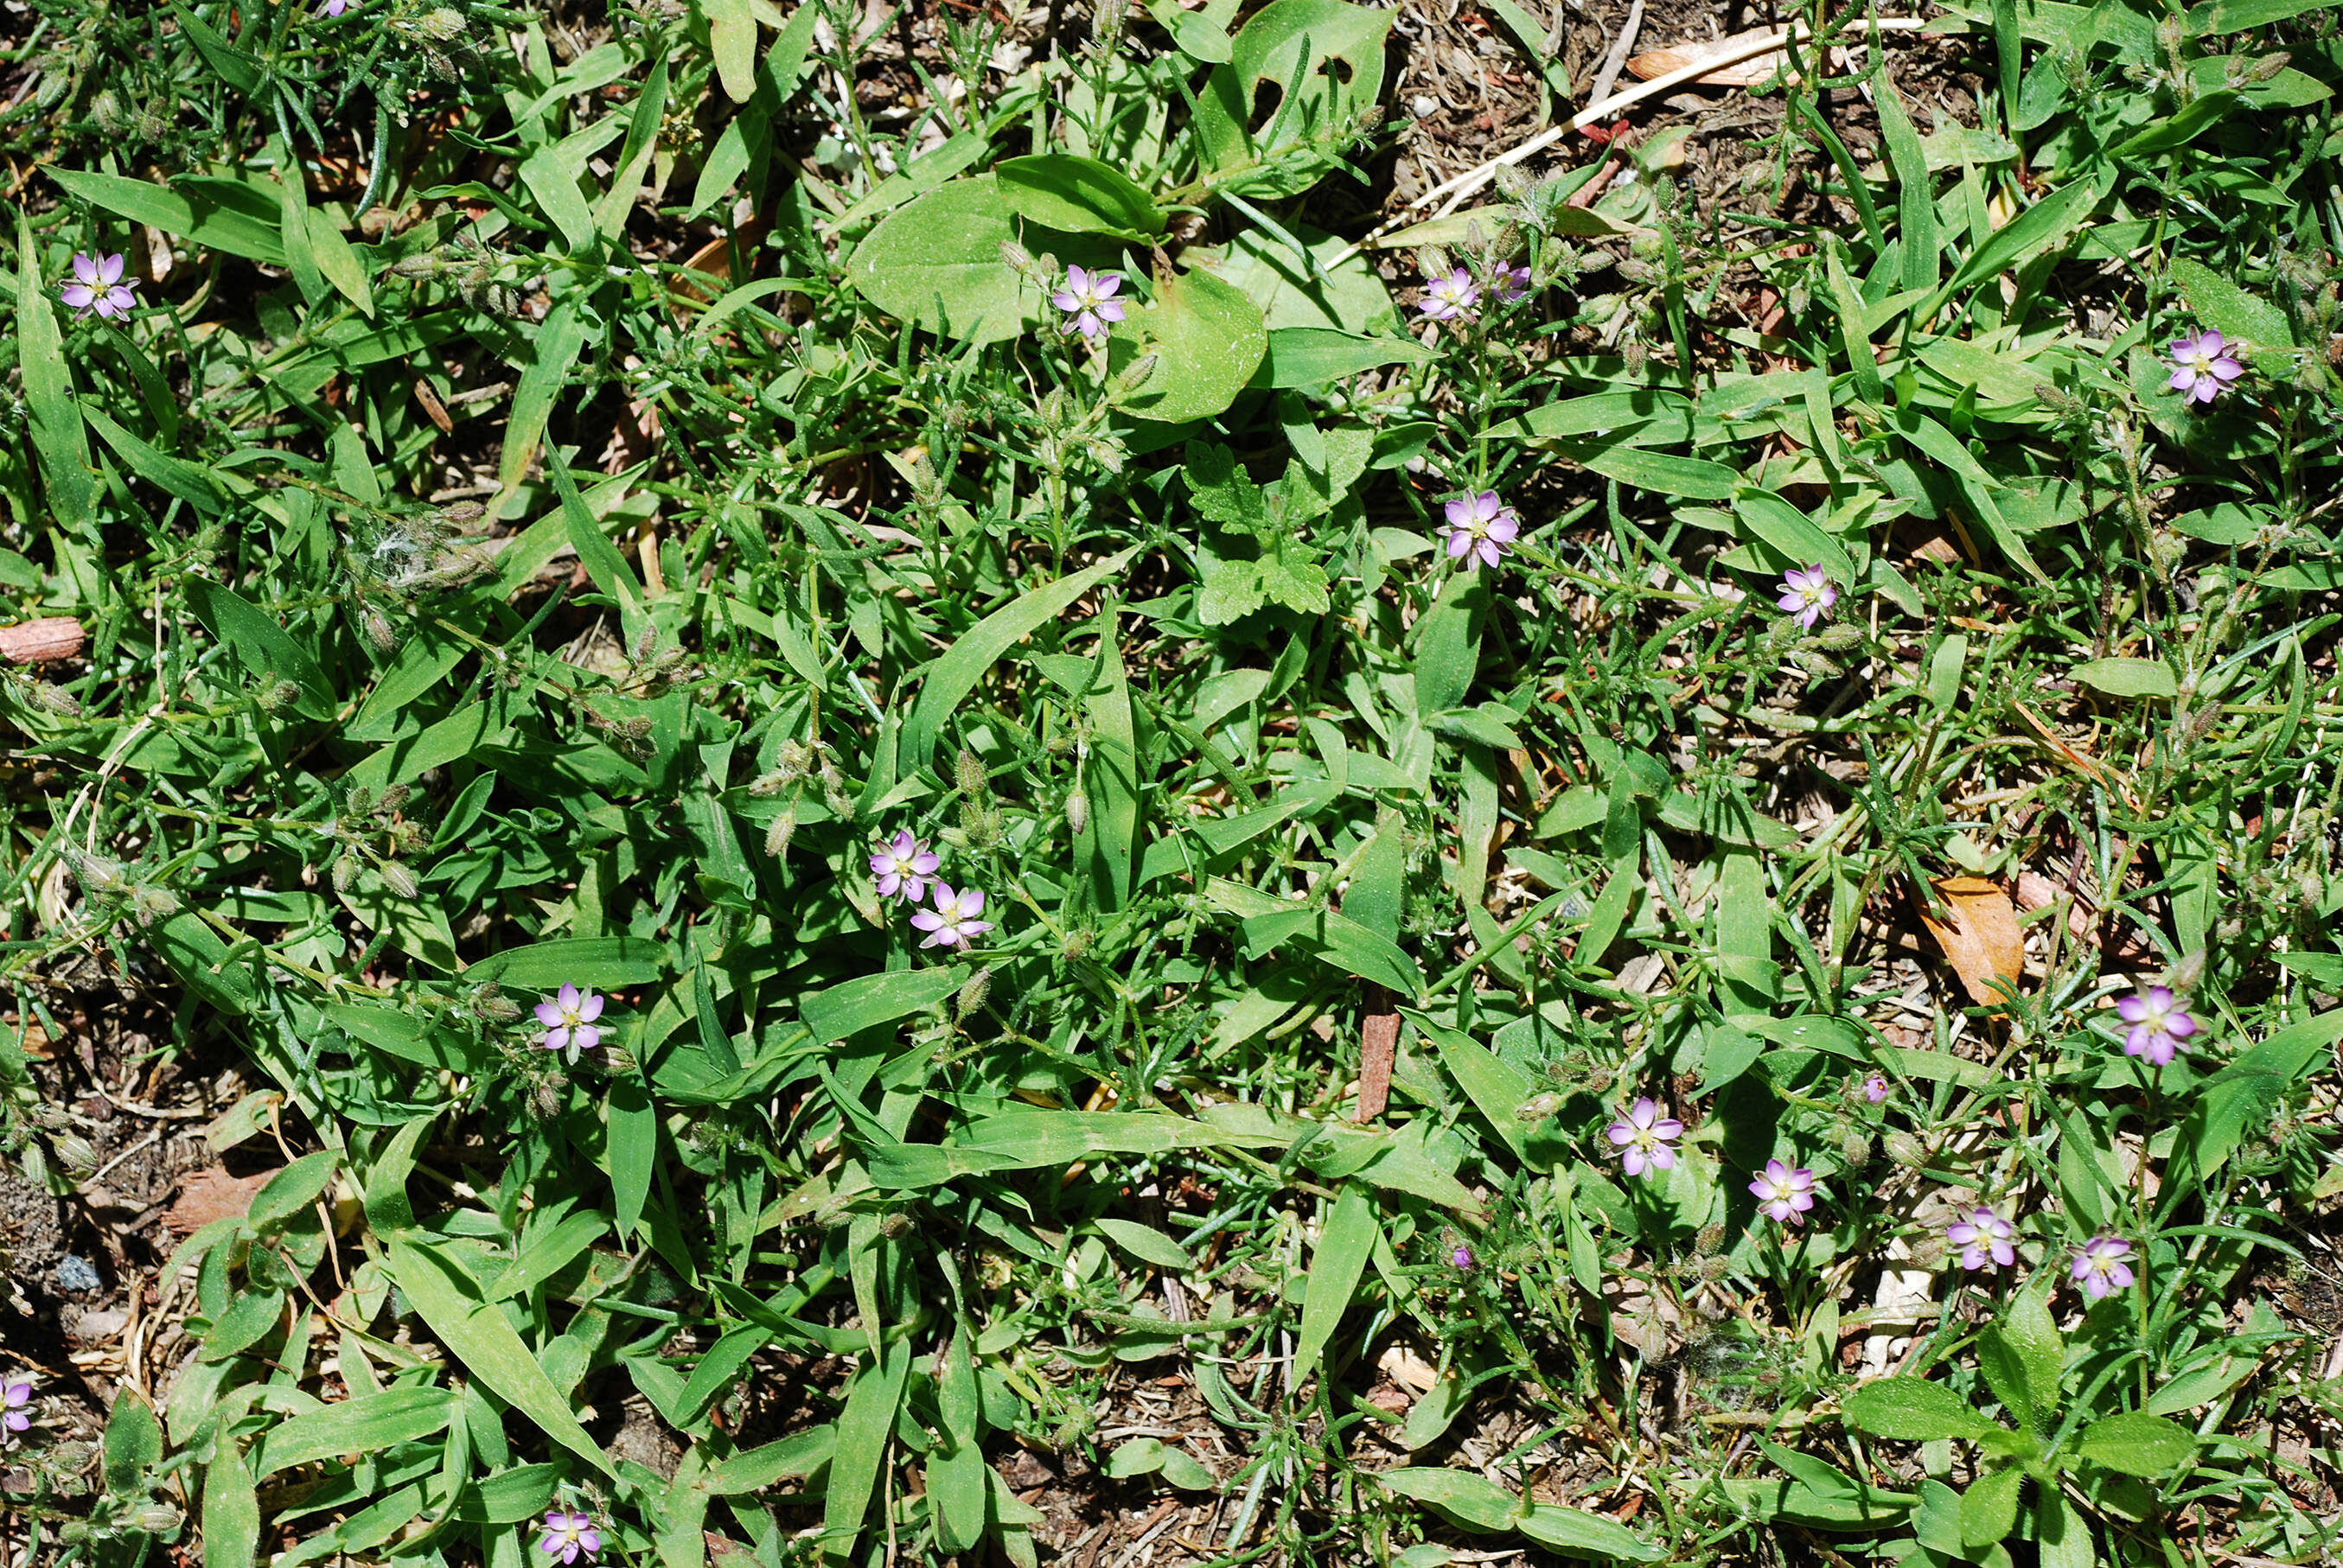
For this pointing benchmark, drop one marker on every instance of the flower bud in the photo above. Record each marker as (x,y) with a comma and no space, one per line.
(95,874)
(971,995)
(1538,1107)
(490,1004)
(1078,810)
(55,699)
(379,634)
(277,694)
(1016,258)
(1136,374)
(549,1098)
(1906,1150)
(346,872)
(158,1519)
(1077,944)
(968,772)
(778,836)
(149,904)
(442,25)
(74,1153)
(397,879)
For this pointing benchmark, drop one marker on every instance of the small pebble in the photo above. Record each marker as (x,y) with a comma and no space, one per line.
(1424,106)
(77,1276)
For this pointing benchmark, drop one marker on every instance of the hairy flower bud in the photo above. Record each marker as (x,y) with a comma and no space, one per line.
(1538,1107)
(778,836)
(1016,258)
(55,699)
(968,773)
(1906,1150)
(1078,810)
(149,904)
(74,1153)
(397,879)
(379,634)
(490,1004)
(971,995)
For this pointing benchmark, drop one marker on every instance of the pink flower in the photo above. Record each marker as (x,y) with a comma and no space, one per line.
(1807,594)
(569,1020)
(2099,1266)
(1981,1234)
(2202,366)
(569,1536)
(1462,1257)
(1449,296)
(1089,298)
(15,1405)
(903,868)
(1479,529)
(1511,285)
(1874,1089)
(1783,1193)
(97,287)
(2158,1025)
(953,919)
(1643,1136)
(333,7)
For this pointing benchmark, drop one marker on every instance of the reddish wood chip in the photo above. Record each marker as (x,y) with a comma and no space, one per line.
(1378,1045)
(208,1195)
(38,641)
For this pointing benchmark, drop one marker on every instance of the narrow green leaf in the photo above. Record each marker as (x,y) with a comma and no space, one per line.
(1336,1266)
(864,1429)
(52,413)
(477,1335)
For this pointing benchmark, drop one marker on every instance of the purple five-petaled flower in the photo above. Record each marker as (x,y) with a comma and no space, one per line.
(97,287)
(1088,300)
(1511,285)
(1642,1137)
(15,1405)
(569,1536)
(569,1020)
(333,7)
(1807,594)
(904,866)
(1479,528)
(1784,1193)
(1462,1257)
(2202,366)
(953,919)
(1448,295)
(1982,1235)
(1874,1090)
(2158,1025)
(2100,1266)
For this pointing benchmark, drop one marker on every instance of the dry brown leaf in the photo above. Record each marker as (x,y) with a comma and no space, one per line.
(38,641)
(1378,1047)
(1980,936)
(1655,62)
(208,1195)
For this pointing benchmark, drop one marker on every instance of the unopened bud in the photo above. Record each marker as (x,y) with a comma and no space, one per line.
(778,836)
(459,512)
(149,904)
(617,1058)
(1855,1147)
(1077,944)
(95,874)
(1906,1150)
(56,699)
(416,268)
(346,872)
(968,770)
(396,797)
(1538,1107)
(277,694)
(73,1153)
(1137,374)
(397,879)
(548,1096)
(1016,258)
(2170,32)
(379,634)
(971,995)
(492,1004)
(1433,261)
(158,1519)
(443,25)
(1708,1239)
(1078,810)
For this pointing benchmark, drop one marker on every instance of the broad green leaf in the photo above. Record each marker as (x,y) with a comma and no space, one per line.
(2129,676)
(337,261)
(52,413)
(231,1517)
(936,264)
(1078,196)
(1325,60)
(864,1429)
(259,644)
(582,961)
(1916,194)
(1639,415)
(1576,1533)
(1336,1265)
(2221,305)
(732,38)
(2024,1358)
(2061,1535)
(1789,531)
(1147,1243)
(1309,355)
(289,1192)
(2137,1444)
(477,1335)
(2045,225)
(846,1009)
(1463,1497)
(757,1468)
(1198,36)
(1208,339)
(559,340)
(133,1444)
(1989,1507)
(209,212)
(200,958)
(358,1428)
(951,678)
(631,1128)
(1913,1408)
(1694,478)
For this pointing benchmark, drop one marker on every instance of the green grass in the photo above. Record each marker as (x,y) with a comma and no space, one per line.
(500,599)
